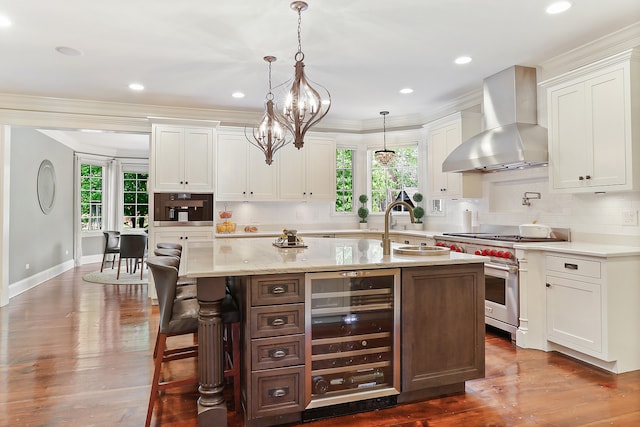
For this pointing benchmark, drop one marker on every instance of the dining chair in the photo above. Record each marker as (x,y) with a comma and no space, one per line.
(111,247)
(133,247)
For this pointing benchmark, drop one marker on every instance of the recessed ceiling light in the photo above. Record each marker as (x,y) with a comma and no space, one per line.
(237,95)
(69,51)
(4,21)
(558,7)
(406,90)
(136,86)
(461,60)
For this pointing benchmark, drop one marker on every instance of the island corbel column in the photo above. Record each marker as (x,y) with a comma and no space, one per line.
(212,409)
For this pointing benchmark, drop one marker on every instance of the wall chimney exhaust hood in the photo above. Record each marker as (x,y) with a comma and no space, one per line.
(512,138)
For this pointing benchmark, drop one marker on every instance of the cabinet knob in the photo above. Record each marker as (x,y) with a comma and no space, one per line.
(181,237)
(251,192)
(587,177)
(548,285)
(181,182)
(580,178)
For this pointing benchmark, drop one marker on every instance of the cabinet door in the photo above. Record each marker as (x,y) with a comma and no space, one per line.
(168,152)
(198,159)
(261,176)
(569,137)
(231,167)
(437,153)
(606,107)
(574,314)
(442,326)
(291,173)
(321,168)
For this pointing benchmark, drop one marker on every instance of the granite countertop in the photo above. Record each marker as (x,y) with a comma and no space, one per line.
(257,255)
(373,232)
(582,248)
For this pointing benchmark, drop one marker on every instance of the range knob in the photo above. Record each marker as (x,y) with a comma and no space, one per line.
(500,254)
(452,247)
(492,252)
(485,252)
(478,252)
(507,255)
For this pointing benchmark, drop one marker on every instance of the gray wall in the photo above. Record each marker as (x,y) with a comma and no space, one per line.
(42,241)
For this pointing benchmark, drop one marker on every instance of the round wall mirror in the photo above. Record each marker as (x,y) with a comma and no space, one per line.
(46,186)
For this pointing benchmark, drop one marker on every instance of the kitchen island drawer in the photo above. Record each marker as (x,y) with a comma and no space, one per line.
(268,353)
(277,289)
(277,320)
(574,266)
(277,391)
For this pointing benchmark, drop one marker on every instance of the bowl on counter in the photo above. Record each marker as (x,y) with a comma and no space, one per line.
(534,230)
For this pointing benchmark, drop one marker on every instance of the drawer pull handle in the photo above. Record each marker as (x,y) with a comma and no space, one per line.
(278,321)
(276,290)
(278,354)
(279,392)
(570,266)
(349,274)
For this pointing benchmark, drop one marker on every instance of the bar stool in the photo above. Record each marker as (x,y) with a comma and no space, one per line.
(177,246)
(186,287)
(177,317)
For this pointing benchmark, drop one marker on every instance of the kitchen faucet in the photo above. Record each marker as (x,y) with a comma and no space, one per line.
(386,242)
(529,195)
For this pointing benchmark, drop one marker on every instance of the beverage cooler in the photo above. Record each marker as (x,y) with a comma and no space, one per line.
(352,336)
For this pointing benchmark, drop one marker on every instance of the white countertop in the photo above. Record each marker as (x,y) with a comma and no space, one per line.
(579,248)
(248,256)
(373,232)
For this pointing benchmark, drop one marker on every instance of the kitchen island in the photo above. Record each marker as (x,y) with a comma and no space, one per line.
(437,328)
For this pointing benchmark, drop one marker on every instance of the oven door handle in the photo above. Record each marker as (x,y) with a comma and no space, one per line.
(509,268)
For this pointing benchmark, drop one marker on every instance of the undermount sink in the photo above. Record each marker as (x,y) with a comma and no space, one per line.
(419,250)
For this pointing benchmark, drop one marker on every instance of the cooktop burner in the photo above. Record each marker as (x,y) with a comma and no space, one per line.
(503,237)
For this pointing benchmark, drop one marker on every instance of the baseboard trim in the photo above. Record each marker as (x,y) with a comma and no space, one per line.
(31,282)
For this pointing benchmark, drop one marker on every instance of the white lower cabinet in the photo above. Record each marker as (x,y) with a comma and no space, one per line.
(574,315)
(592,309)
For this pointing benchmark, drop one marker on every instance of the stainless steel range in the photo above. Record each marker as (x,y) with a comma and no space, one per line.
(501,272)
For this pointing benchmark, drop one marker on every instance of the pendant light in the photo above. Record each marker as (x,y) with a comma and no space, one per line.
(303,105)
(384,156)
(270,135)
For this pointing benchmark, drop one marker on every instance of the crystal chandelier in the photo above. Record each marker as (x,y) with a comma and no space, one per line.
(270,135)
(384,156)
(303,105)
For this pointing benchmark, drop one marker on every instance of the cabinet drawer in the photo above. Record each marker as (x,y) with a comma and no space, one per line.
(280,289)
(277,391)
(277,320)
(578,267)
(267,353)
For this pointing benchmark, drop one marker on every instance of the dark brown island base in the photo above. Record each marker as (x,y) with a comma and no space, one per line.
(336,327)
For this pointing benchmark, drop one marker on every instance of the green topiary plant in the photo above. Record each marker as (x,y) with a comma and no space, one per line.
(418,211)
(363,211)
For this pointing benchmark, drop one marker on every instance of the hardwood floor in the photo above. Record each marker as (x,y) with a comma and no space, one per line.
(75,353)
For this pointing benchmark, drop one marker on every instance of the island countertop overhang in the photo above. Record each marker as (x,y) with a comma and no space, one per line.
(251,256)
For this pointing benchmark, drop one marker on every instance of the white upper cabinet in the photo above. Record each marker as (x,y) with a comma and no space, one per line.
(241,172)
(182,158)
(444,136)
(594,126)
(308,173)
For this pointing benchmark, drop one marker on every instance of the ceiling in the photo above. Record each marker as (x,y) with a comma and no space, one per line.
(197,53)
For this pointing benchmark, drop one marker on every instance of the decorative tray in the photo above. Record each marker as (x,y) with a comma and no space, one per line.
(286,244)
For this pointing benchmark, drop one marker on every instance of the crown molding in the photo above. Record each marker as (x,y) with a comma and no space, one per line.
(603,47)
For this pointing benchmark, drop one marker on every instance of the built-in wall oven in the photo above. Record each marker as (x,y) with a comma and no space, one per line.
(352,341)
(501,272)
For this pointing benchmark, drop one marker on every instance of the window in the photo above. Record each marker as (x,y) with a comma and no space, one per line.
(387,183)
(135,200)
(91,180)
(344,180)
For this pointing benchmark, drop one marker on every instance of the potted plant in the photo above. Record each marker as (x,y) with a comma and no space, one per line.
(418,211)
(363,211)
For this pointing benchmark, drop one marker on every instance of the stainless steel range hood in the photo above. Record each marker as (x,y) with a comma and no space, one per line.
(512,138)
